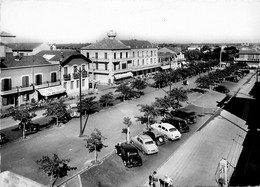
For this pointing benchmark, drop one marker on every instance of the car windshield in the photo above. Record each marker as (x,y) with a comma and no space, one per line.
(149,142)
(172,129)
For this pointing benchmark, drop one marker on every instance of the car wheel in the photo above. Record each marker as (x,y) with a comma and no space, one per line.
(165,137)
(131,142)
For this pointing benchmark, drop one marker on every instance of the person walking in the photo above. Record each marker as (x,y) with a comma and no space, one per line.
(153,179)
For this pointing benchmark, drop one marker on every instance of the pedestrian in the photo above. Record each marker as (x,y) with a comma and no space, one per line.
(153,179)
(168,181)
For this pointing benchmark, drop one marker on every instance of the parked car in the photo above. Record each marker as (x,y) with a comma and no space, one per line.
(221,88)
(169,131)
(179,123)
(145,144)
(186,114)
(73,110)
(157,136)
(129,154)
(232,78)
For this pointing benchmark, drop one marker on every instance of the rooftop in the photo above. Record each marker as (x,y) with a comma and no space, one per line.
(23,46)
(138,44)
(107,44)
(34,60)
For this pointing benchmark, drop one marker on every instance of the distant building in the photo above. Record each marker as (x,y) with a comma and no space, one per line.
(27,49)
(74,46)
(249,56)
(70,62)
(4,39)
(194,47)
(115,60)
(28,77)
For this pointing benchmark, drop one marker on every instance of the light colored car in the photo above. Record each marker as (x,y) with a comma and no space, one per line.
(145,144)
(168,130)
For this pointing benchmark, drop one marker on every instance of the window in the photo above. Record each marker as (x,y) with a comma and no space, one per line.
(65,70)
(146,53)
(83,82)
(114,55)
(138,62)
(83,67)
(154,53)
(142,53)
(124,66)
(151,60)
(96,66)
(38,79)
(121,54)
(105,66)
(65,85)
(77,83)
(96,55)
(53,77)
(75,69)
(25,81)
(133,54)
(105,55)
(71,84)
(6,84)
(142,61)
(151,53)
(7,100)
(87,54)
(126,54)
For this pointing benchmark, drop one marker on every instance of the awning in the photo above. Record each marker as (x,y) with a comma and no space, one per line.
(123,75)
(165,67)
(52,91)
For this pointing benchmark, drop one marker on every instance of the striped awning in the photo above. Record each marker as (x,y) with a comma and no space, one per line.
(123,75)
(51,91)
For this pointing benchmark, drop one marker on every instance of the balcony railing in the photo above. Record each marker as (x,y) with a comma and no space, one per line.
(84,74)
(76,75)
(67,77)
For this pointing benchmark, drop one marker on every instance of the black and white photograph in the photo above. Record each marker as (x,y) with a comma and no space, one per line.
(129,93)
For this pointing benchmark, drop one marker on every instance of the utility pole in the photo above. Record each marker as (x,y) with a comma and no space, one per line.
(80,105)
(170,74)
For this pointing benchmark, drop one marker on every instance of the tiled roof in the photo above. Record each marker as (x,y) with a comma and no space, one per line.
(71,46)
(166,54)
(56,55)
(175,49)
(23,46)
(138,44)
(108,44)
(249,51)
(24,61)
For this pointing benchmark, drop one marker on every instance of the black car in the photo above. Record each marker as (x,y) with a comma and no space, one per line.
(232,78)
(178,123)
(222,89)
(129,154)
(156,136)
(186,114)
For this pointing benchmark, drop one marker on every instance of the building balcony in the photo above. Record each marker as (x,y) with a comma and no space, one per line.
(84,74)
(76,75)
(67,77)
(56,83)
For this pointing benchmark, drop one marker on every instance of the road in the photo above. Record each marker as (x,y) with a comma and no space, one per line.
(20,156)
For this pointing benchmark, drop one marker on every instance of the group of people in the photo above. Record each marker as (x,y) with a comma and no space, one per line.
(156,181)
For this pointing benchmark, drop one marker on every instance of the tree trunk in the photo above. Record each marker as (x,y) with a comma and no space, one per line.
(51,183)
(57,121)
(127,135)
(23,130)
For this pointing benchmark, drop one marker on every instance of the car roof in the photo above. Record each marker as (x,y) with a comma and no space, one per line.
(128,147)
(167,125)
(176,118)
(144,137)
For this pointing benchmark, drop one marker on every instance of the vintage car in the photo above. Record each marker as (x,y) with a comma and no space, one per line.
(129,154)
(186,114)
(169,131)
(145,144)
(179,123)
(157,136)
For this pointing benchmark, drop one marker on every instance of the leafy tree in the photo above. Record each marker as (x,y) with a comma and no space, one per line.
(57,109)
(162,105)
(107,99)
(204,82)
(88,106)
(161,79)
(25,118)
(177,95)
(125,90)
(128,123)
(139,84)
(149,114)
(55,167)
(94,143)
(193,55)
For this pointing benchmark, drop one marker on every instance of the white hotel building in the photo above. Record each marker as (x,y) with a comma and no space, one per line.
(114,60)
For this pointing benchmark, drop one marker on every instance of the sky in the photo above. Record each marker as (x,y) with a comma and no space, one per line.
(169,21)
